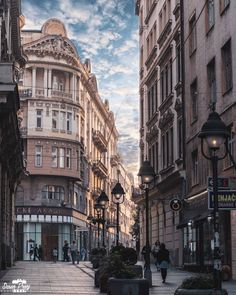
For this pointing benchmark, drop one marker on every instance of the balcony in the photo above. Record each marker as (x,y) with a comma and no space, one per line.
(165,33)
(25,92)
(114,160)
(61,94)
(99,140)
(99,169)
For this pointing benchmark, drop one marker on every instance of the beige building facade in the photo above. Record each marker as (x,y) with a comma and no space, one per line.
(70,145)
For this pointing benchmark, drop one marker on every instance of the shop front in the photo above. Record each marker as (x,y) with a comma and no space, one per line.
(46,229)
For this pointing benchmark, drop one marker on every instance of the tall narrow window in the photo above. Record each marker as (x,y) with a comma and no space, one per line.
(231,147)
(227,75)
(39,118)
(195,167)
(162,86)
(62,121)
(210,15)
(62,158)
(180,139)
(194,102)
(38,156)
(211,75)
(163,152)
(54,156)
(178,63)
(68,158)
(141,113)
(69,122)
(223,5)
(55,119)
(192,34)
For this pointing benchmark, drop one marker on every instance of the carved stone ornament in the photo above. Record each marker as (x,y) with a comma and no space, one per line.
(152,134)
(56,46)
(167,118)
(178,105)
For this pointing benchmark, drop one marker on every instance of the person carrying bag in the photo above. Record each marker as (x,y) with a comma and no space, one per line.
(163,259)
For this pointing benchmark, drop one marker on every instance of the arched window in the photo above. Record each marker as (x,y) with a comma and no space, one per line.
(53,192)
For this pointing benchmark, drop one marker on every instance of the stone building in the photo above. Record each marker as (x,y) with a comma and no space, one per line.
(209,31)
(11,161)
(161,138)
(70,144)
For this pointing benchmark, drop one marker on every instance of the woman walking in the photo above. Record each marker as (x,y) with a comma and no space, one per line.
(163,259)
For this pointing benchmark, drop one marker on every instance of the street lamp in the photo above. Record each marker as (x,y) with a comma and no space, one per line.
(103,200)
(118,194)
(98,208)
(147,175)
(215,133)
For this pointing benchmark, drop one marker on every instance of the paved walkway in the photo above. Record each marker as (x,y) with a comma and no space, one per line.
(64,278)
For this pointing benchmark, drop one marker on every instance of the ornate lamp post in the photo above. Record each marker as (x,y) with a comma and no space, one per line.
(147,175)
(103,200)
(214,132)
(98,209)
(118,194)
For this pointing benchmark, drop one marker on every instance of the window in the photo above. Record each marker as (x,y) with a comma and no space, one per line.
(54,156)
(39,118)
(167,148)
(180,138)
(211,77)
(69,122)
(166,80)
(152,99)
(38,156)
(227,75)
(68,158)
(62,121)
(192,34)
(62,158)
(231,147)
(55,119)
(210,15)
(223,5)
(194,102)
(178,63)
(141,113)
(194,167)
(53,192)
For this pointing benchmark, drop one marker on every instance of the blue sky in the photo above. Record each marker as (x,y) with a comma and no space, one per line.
(106,32)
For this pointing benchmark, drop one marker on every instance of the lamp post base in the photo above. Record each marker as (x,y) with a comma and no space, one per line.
(148,276)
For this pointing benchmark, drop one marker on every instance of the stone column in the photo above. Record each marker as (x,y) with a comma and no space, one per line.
(45,82)
(76,94)
(33,81)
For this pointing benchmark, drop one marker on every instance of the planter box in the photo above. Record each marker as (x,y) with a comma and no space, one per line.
(128,286)
(137,269)
(200,292)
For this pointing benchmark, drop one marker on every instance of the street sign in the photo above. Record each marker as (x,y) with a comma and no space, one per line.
(226,200)
(223,182)
(175,204)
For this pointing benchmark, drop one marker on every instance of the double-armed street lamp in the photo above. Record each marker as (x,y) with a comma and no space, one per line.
(147,175)
(103,200)
(215,133)
(118,195)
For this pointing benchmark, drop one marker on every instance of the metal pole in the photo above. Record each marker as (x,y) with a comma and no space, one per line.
(103,227)
(117,224)
(98,232)
(147,270)
(217,256)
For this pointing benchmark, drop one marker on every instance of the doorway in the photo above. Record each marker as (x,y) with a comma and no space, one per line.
(49,240)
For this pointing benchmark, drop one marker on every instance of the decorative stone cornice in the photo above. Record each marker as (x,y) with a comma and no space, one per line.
(56,46)
(167,118)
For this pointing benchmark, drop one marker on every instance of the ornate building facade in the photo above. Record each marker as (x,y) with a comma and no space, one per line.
(161,113)
(11,161)
(70,143)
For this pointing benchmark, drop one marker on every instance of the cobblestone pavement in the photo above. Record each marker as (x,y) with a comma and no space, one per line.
(64,278)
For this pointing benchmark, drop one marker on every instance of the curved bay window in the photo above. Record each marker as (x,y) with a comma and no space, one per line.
(53,192)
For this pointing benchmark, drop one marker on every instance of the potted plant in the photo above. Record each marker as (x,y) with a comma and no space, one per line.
(198,285)
(97,255)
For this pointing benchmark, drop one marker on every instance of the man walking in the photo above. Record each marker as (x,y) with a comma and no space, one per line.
(73,251)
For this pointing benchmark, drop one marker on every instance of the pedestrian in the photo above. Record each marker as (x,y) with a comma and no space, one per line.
(65,250)
(36,252)
(83,253)
(54,255)
(145,252)
(73,251)
(31,251)
(163,259)
(40,252)
(155,250)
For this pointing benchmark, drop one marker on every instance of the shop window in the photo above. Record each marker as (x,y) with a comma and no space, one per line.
(53,192)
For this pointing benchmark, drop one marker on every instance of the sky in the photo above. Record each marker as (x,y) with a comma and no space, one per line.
(106,31)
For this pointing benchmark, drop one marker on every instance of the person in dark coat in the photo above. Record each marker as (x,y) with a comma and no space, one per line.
(65,250)
(163,259)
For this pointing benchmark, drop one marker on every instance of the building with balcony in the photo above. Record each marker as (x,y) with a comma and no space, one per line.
(161,117)
(69,135)
(11,160)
